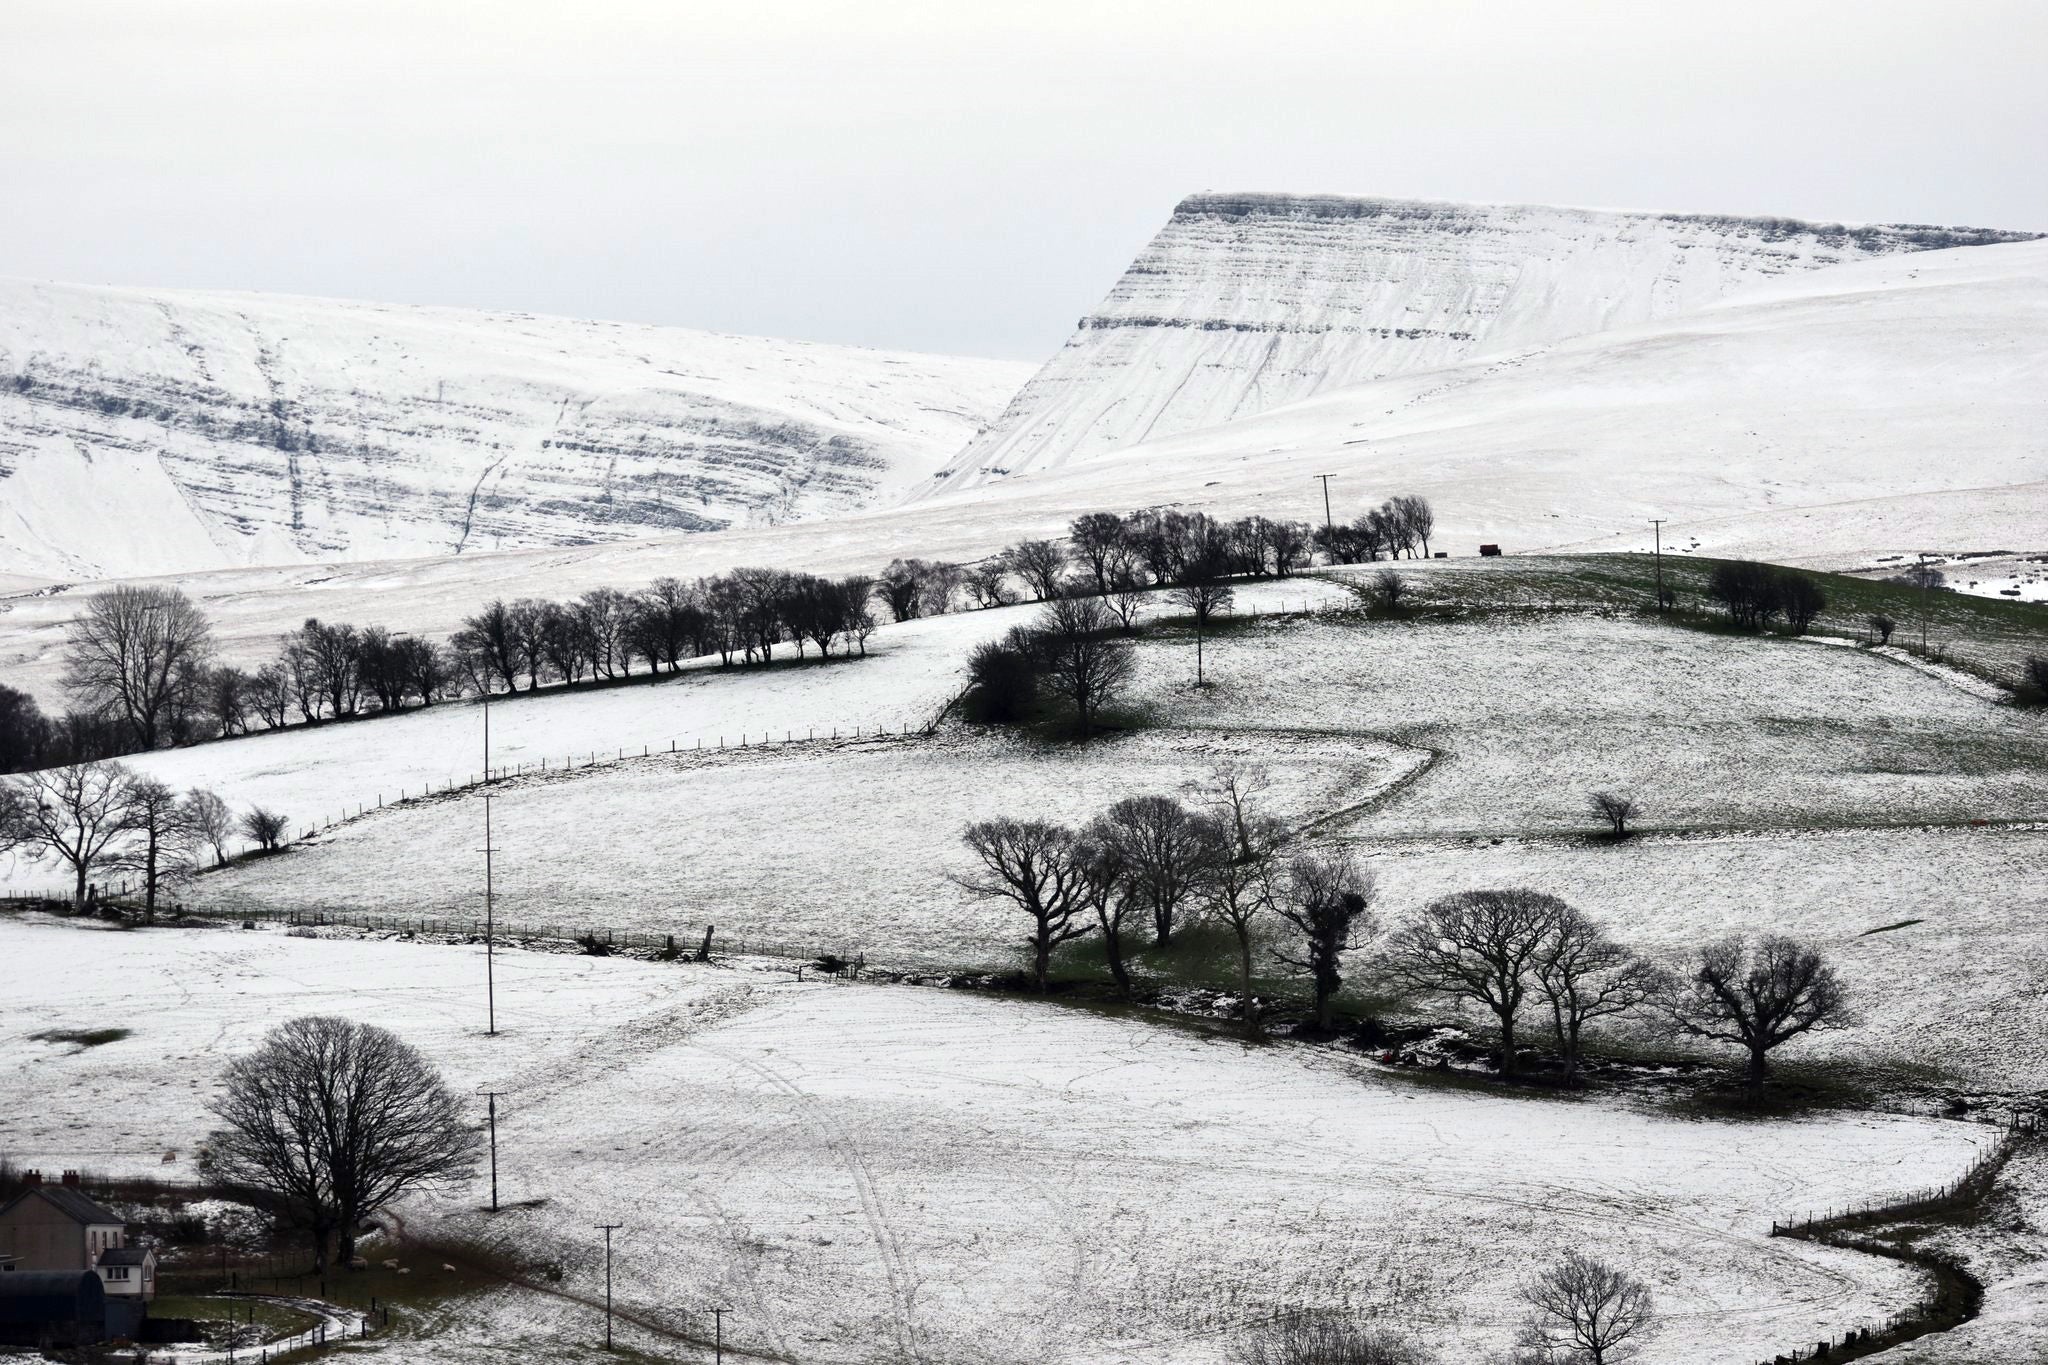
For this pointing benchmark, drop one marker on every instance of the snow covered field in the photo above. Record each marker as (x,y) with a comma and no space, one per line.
(1528,716)
(321,773)
(1963,987)
(841,846)
(876,1173)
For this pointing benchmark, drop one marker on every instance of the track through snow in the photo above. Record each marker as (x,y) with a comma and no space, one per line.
(880,1173)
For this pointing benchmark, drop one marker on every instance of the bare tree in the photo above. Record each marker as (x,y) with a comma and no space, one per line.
(1163,848)
(1243,846)
(1418,519)
(132,652)
(1203,598)
(1039,563)
(988,582)
(14,818)
(1585,975)
(1759,999)
(1479,946)
(1327,896)
(163,837)
(1582,1309)
(1616,808)
(1036,866)
(1316,1339)
(210,821)
(335,1120)
(1388,593)
(1078,657)
(1097,538)
(266,827)
(1111,889)
(1881,626)
(78,815)
(1127,588)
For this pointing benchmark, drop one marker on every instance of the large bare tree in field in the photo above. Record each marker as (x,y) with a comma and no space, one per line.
(1583,1309)
(1037,867)
(210,821)
(1243,848)
(1327,896)
(1162,845)
(78,815)
(1758,998)
(1585,975)
(1480,946)
(1079,658)
(1111,888)
(334,1120)
(131,652)
(162,837)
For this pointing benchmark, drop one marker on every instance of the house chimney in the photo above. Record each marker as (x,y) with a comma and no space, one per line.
(31,1177)
(71,1179)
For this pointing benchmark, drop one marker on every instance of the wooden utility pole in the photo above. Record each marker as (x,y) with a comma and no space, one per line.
(608,1229)
(490,931)
(492,1096)
(718,1334)
(1926,599)
(1329,528)
(1657,525)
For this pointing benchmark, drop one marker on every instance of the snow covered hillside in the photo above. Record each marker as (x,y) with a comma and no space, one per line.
(860,1173)
(1869,409)
(156,431)
(1245,302)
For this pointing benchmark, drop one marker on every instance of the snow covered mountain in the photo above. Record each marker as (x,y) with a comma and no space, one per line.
(157,431)
(1245,302)
(1875,408)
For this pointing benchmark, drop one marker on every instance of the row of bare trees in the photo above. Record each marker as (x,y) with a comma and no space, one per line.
(1150,863)
(100,819)
(1399,526)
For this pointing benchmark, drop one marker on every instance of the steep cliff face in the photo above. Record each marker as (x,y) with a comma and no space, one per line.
(1244,302)
(148,431)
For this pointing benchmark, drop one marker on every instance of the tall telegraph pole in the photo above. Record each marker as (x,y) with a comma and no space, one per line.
(608,1229)
(1657,524)
(490,930)
(492,1096)
(1328,526)
(490,896)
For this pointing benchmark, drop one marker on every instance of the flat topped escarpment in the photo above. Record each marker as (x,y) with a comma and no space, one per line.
(159,431)
(1244,302)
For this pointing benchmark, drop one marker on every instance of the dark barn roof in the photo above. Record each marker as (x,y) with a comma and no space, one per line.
(124,1255)
(46,1296)
(80,1208)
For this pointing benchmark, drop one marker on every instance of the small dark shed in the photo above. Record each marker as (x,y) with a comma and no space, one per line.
(52,1307)
(1489,551)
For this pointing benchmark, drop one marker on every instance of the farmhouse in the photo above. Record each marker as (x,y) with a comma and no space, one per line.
(59,1231)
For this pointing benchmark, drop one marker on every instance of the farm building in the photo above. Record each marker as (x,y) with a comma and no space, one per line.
(52,1308)
(60,1230)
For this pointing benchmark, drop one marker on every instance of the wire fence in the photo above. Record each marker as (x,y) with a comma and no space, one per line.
(1955,1296)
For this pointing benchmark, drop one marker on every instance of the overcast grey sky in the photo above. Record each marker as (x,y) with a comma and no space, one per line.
(966,176)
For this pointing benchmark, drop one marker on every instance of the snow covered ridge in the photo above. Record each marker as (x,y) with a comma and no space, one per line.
(219,429)
(1245,302)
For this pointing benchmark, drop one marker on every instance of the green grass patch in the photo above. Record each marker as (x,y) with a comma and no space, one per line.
(83,1037)
(274,1321)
